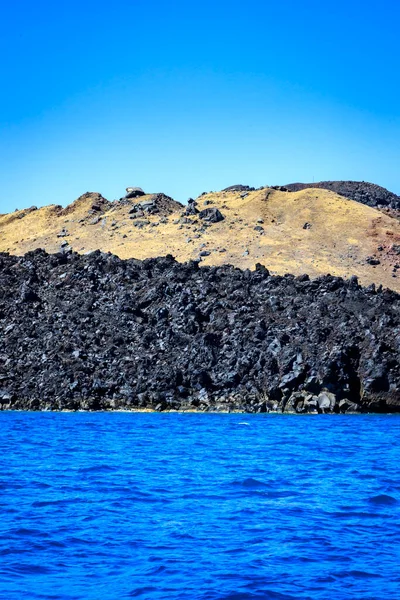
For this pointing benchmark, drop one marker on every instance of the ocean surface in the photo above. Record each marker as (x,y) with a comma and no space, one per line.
(199,506)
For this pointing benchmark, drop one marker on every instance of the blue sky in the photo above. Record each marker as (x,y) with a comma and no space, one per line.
(185,97)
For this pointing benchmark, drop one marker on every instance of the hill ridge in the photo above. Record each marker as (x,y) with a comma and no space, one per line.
(367,193)
(314,231)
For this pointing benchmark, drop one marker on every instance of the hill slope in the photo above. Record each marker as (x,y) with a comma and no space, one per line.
(361,191)
(314,231)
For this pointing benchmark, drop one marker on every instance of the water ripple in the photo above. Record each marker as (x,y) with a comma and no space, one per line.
(198,507)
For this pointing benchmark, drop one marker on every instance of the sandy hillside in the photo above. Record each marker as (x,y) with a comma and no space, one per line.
(312,231)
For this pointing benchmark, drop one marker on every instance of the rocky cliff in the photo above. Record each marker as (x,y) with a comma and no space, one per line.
(97,332)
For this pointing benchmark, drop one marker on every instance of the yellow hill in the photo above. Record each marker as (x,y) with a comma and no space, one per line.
(312,231)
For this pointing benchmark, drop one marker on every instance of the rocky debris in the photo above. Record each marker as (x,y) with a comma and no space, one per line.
(304,402)
(360,191)
(25,212)
(165,204)
(142,223)
(372,260)
(97,204)
(262,269)
(191,208)
(62,233)
(156,204)
(147,206)
(239,188)
(211,215)
(65,248)
(96,332)
(134,192)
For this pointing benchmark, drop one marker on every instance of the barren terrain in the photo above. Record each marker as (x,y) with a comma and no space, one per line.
(313,231)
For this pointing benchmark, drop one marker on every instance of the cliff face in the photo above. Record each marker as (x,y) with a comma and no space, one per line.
(314,231)
(97,332)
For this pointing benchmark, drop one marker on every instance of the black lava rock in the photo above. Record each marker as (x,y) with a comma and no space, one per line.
(371,260)
(361,191)
(238,188)
(212,215)
(96,332)
(134,192)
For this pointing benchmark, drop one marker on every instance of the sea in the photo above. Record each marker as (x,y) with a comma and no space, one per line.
(193,506)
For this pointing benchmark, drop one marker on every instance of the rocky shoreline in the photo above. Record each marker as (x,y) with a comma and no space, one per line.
(96,332)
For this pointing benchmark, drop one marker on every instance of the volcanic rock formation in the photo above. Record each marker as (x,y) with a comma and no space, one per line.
(360,191)
(97,332)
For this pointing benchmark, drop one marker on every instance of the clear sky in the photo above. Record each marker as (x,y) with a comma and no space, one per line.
(188,96)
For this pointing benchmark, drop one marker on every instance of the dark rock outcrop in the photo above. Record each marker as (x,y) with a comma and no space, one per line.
(191,208)
(96,332)
(361,191)
(156,204)
(134,192)
(165,204)
(239,188)
(281,188)
(212,215)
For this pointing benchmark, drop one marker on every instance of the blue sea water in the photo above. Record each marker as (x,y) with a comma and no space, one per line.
(199,506)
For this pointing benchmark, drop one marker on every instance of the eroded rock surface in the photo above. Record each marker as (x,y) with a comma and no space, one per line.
(97,332)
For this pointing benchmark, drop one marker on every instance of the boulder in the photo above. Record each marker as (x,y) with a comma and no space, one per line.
(134,192)
(191,208)
(371,260)
(326,401)
(345,406)
(211,215)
